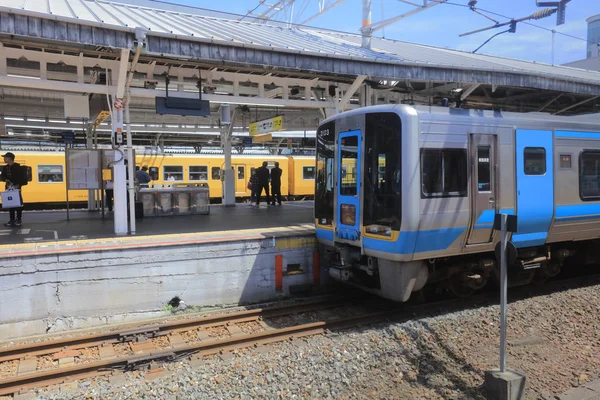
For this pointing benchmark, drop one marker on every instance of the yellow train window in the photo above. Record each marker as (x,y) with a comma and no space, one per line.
(50,173)
(308,173)
(198,173)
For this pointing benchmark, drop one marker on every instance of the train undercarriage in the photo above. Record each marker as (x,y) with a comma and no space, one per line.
(461,276)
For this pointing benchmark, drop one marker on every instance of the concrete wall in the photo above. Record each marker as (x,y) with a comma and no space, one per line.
(50,293)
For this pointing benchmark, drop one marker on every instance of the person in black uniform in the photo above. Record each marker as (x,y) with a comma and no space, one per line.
(15,177)
(263,182)
(276,183)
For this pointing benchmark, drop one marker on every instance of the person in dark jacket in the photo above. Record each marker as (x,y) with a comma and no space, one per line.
(15,177)
(253,183)
(143,177)
(276,183)
(263,182)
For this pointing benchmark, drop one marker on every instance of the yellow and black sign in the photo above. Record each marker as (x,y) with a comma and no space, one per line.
(266,126)
(262,138)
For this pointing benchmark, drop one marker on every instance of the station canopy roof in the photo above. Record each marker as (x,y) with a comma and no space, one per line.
(193,33)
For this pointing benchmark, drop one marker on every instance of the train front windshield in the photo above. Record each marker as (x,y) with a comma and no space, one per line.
(382,193)
(382,178)
(325,171)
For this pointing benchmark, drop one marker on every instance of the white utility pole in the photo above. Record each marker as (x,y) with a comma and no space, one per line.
(366,29)
(228,173)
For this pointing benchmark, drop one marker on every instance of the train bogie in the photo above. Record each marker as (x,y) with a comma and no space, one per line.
(407,195)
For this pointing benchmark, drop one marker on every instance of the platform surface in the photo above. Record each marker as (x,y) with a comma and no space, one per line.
(48,231)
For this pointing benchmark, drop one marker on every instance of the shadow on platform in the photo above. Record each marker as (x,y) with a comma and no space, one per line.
(42,226)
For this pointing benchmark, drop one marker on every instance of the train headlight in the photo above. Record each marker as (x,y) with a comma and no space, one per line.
(380,230)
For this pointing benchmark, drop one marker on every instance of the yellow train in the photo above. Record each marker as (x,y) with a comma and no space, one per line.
(47,174)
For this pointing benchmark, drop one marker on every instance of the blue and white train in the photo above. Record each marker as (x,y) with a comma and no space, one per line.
(406,195)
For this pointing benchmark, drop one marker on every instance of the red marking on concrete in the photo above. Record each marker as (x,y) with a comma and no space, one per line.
(316,268)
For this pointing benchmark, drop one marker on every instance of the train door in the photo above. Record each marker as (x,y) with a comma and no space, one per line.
(535,187)
(348,188)
(240,180)
(484,191)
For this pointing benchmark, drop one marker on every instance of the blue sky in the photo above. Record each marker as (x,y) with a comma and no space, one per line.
(441,25)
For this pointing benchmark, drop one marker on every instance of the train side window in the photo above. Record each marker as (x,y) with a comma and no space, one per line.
(308,173)
(173,173)
(50,174)
(565,161)
(153,171)
(484,176)
(198,173)
(241,172)
(443,173)
(534,159)
(216,173)
(589,175)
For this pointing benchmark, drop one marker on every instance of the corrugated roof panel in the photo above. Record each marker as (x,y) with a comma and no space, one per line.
(201,24)
(61,8)
(14,3)
(106,13)
(80,8)
(122,13)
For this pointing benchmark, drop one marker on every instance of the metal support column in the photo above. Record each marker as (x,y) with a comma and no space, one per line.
(119,175)
(503,291)
(228,173)
(91,192)
(131,183)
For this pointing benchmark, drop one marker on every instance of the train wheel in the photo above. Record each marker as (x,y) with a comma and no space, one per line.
(461,285)
(550,270)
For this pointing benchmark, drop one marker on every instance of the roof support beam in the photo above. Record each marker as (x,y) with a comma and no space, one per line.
(552,100)
(467,92)
(576,105)
(122,73)
(73,87)
(351,90)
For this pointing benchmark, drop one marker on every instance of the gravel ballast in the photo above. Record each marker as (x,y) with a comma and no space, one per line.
(554,339)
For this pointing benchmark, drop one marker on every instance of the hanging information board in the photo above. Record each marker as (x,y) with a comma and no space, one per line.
(83,169)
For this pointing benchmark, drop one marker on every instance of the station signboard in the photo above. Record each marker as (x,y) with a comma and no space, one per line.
(266,126)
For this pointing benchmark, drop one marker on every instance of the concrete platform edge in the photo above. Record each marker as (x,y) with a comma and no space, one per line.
(148,241)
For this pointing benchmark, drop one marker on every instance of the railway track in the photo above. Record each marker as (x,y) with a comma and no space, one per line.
(53,362)
(57,361)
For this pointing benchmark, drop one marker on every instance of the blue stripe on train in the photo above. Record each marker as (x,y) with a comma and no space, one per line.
(324,234)
(486,219)
(577,212)
(577,135)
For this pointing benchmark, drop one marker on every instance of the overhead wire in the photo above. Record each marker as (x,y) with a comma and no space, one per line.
(507,17)
(260,3)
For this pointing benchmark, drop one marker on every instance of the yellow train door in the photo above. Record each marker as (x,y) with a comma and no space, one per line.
(241,179)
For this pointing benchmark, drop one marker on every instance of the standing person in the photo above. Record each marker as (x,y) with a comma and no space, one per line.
(276,183)
(263,182)
(143,177)
(253,184)
(15,177)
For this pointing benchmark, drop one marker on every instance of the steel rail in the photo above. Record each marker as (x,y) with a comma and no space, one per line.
(15,384)
(73,343)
